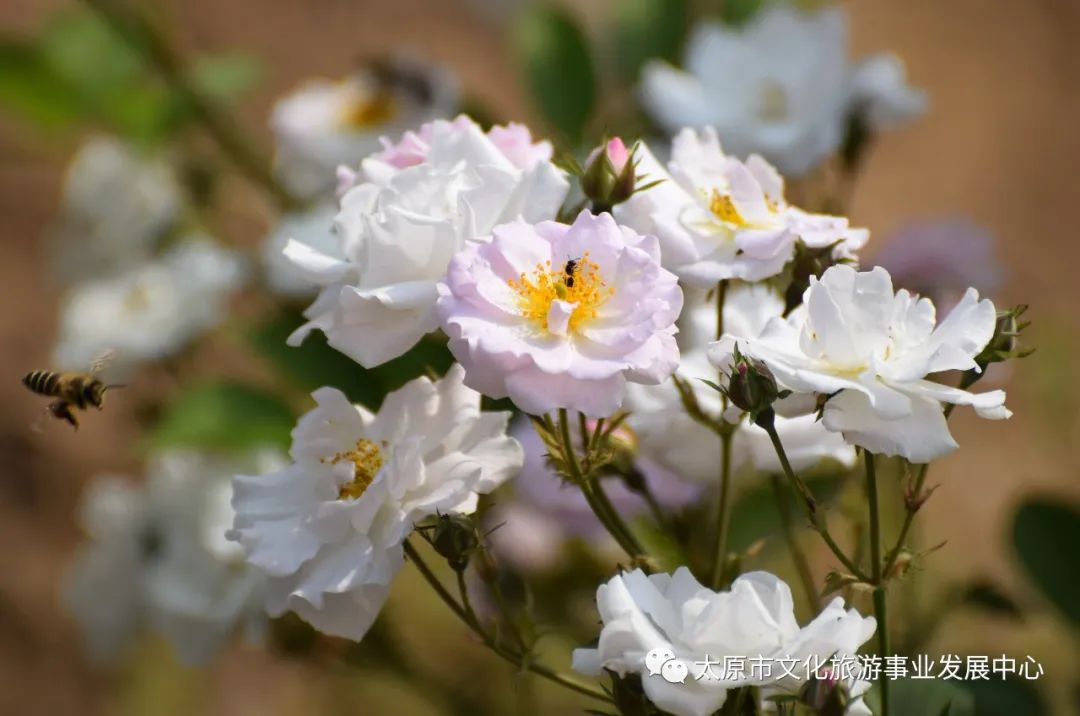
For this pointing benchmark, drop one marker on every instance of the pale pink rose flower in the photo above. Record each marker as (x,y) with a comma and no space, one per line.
(562,316)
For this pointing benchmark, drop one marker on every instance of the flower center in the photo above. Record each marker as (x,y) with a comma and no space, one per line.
(772,102)
(577,285)
(723,208)
(369,111)
(367,460)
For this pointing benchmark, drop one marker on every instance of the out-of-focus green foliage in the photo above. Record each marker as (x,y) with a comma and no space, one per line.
(314,364)
(79,70)
(1046,535)
(29,87)
(925,697)
(224,416)
(755,514)
(739,12)
(647,29)
(558,69)
(1006,698)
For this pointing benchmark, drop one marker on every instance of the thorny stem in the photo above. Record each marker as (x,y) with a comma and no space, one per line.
(595,495)
(913,506)
(880,602)
(519,660)
(147,39)
(802,565)
(810,504)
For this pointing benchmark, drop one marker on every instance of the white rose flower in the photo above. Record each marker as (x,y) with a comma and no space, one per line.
(151,311)
(312,226)
(329,529)
(413,207)
(115,205)
(691,623)
(719,218)
(158,558)
(668,435)
(781,86)
(871,350)
(327,123)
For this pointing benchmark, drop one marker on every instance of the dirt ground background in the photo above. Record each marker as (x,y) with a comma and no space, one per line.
(1000,145)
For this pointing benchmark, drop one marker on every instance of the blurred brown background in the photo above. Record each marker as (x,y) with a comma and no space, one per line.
(999,144)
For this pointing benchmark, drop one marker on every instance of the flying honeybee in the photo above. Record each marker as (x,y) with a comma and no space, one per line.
(71,390)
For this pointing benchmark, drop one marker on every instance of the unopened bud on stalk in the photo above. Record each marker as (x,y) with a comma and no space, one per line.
(455,538)
(608,178)
(1005,344)
(752,388)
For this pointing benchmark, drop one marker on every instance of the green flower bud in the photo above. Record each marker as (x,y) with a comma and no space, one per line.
(455,538)
(608,178)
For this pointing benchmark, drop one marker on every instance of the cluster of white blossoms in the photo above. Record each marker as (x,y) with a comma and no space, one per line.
(158,559)
(117,202)
(326,123)
(328,530)
(869,351)
(721,218)
(754,619)
(663,318)
(680,443)
(782,86)
(455,229)
(402,217)
(141,279)
(150,311)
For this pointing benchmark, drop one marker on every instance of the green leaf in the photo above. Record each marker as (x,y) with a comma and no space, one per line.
(226,76)
(88,53)
(645,29)
(108,76)
(30,87)
(225,416)
(1046,535)
(1006,698)
(314,363)
(557,67)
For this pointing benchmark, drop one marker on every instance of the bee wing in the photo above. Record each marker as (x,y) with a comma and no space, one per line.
(38,426)
(102,360)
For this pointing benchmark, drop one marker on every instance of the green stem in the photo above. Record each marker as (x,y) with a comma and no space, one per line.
(880,603)
(802,565)
(809,503)
(148,40)
(723,513)
(594,494)
(519,660)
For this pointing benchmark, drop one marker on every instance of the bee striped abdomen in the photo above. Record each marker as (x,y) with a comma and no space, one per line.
(44,382)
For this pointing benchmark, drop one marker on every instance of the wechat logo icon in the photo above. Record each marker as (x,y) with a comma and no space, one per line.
(662,661)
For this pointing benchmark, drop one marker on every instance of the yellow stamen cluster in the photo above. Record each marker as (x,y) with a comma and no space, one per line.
(582,286)
(370,111)
(724,208)
(367,460)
